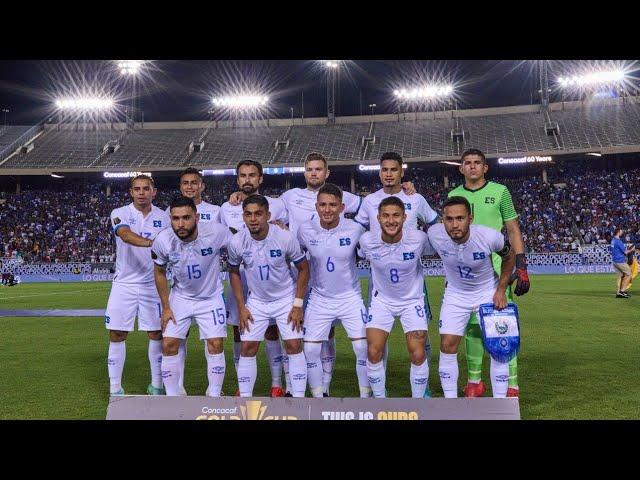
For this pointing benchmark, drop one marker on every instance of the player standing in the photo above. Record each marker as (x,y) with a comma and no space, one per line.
(249,178)
(466,251)
(394,254)
(491,206)
(266,251)
(193,252)
(133,291)
(191,184)
(416,208)
(335,294)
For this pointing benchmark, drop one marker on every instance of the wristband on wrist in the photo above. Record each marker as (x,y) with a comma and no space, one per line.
(298,302)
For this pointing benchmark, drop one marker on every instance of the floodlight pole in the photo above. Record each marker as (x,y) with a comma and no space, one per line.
(543,68)
(332,77)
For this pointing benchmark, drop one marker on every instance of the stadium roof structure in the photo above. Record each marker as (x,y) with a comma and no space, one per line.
(606,126)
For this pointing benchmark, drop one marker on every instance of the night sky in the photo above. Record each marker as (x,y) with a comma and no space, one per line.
(181,90)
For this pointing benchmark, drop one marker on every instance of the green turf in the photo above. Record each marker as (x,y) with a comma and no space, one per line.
(578,359)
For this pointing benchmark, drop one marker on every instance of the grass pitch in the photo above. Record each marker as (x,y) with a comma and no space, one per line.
(578,358)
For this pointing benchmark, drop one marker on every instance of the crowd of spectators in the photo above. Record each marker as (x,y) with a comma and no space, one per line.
(70,223)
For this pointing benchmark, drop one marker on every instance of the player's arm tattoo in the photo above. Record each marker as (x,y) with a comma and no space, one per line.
(515,235)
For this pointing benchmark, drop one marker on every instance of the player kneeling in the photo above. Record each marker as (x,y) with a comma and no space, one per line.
(194,256)
(466,251)
(266,251)
(331,241)
(398,282)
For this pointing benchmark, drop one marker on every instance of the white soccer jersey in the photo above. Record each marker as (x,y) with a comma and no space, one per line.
(266,262)
(416,207)
(395,267)
(333,257)
(195,265)
(231,215)
(301,205)
(468,266)
(133,264)
(207,212)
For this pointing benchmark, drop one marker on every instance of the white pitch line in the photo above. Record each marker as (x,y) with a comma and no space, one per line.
(53,293)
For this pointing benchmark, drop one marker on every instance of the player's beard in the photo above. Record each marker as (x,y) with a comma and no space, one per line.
(185,233)
(249,189)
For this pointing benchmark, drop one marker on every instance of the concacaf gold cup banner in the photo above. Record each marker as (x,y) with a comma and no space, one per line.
(143,407)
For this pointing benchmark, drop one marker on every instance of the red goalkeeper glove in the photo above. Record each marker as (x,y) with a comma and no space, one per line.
(521,275)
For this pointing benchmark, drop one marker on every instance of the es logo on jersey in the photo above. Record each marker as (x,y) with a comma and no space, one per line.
(157,223)
(479,255)
(206,251)
(205,216)
(408,256)
(345,241)
(407,206)
(490,200)
(275,253)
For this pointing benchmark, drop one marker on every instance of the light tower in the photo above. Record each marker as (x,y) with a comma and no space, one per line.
(333,73)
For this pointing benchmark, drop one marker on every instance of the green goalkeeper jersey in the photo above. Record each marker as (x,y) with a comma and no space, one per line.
(491,205)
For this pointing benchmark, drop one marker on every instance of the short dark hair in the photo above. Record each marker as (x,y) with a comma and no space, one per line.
(142,176)
(317,157)
(391,156)
(616,231)
(457,201)
(183,202)
(259,200)
(474,151)
(331,189)
(250,163)
(191,171)
(395,201)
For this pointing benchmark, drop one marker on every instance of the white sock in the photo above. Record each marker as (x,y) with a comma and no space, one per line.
(237,346)
(499,378)
(155,362)
(171,374)
(285,367)
(274,354)
(448,371)
(298,372)
(377,378)
(115,365)
(215,372)
(419,378)
(182,354)
(328,356)
(314,369)
(360,349)
(247,372)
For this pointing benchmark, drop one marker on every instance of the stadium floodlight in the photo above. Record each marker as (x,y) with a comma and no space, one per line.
(592,79)
(241,101)
(85,103)
(424,93)
(130,67)
(332,63)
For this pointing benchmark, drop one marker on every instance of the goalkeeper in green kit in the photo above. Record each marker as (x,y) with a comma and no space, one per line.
(491,205)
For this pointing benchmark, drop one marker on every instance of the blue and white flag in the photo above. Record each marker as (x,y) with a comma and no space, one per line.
(500,331)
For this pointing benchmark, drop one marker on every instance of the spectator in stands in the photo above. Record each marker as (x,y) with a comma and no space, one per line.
(619,257)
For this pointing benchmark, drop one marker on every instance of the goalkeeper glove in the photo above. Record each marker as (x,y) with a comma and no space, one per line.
(521,275)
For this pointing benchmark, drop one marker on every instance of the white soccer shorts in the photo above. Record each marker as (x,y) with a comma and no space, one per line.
(264,313)
(457,309)
(126,301)
(232,305)
(209,315)
(413,315)
(322,313)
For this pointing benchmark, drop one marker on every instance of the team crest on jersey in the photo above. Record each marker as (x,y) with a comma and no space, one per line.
(157,223)
(205,216)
